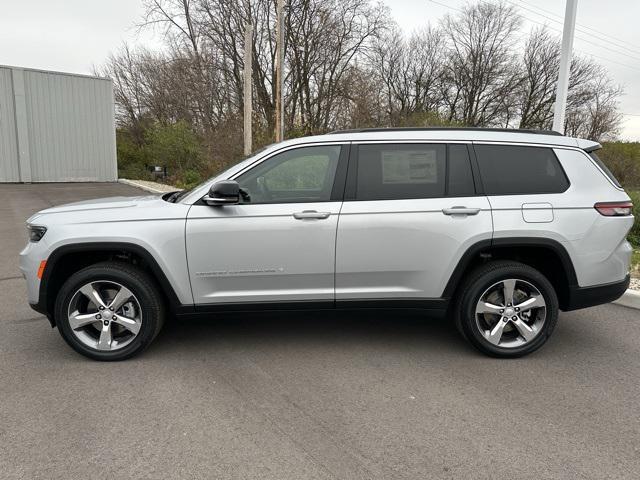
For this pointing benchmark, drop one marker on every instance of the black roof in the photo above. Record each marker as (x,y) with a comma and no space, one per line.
(476,129)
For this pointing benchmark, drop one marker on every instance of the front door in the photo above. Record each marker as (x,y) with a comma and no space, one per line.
(278,244)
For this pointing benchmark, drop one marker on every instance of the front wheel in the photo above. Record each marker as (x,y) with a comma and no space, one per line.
(109,311)
(507,309)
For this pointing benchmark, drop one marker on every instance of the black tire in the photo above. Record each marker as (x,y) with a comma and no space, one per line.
(138,282)
(482,279)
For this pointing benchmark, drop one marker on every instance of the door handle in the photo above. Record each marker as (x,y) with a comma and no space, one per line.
(460,211)
(311,214)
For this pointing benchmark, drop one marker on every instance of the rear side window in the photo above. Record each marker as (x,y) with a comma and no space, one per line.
(407,171)
(605,169)
(400,171)
(515,170)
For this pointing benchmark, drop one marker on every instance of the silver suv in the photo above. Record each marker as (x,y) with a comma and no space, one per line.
(497,229)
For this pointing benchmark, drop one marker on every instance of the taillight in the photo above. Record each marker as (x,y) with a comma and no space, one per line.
(614,209)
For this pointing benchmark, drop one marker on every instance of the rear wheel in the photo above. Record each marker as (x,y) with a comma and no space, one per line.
(507,309)
(109,311)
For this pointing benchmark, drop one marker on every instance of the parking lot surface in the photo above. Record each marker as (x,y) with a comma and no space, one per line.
(309,396)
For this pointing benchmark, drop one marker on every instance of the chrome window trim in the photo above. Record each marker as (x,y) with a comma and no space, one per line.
(593,162)
(282,150)
(202,191)
(197,195)
(395,142)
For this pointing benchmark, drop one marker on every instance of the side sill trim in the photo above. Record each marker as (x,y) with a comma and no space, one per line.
(434,305)
(373,303)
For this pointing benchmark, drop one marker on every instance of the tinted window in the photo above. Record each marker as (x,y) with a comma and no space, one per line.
(520,170)
(394,171)
(301,175)
(460,182)
(605,169)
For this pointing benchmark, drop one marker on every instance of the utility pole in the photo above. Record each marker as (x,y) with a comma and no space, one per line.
(248,87)
(565,65)
(279,71)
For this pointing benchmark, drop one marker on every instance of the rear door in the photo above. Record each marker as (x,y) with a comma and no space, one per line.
(410,212)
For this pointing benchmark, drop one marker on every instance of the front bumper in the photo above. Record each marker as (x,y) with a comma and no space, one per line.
(583,297)
(30,258)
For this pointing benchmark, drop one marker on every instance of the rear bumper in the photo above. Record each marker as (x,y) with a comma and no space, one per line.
(583,297)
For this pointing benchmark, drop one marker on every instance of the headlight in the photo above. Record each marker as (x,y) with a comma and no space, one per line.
(36,232)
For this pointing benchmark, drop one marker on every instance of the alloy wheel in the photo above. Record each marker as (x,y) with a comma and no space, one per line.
(105,315)
(510,313)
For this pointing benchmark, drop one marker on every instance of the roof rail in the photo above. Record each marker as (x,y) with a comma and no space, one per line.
(473,129)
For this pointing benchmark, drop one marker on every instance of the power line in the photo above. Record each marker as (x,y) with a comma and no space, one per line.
(446,6)
(560,31)
(581,38)
(609,60)
(620,41)
(617,43)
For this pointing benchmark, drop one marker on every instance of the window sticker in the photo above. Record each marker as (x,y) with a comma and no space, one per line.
(409,166)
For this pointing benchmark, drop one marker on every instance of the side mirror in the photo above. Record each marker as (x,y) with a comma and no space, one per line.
(224,192)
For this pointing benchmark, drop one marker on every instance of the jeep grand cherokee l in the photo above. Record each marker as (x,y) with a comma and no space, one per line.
(497,229)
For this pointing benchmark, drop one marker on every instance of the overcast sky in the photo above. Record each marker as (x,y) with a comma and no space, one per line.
(75,35)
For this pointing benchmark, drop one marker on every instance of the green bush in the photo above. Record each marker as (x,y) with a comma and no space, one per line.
(189,179)
(623,159)
(174,146)
(131,157)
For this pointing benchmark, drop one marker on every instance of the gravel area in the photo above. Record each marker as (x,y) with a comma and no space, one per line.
(635,284)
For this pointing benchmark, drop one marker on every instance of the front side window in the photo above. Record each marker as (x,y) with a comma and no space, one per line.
(303,174)
(517,170)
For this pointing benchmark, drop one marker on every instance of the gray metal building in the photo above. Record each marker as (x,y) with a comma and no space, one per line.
(56,127)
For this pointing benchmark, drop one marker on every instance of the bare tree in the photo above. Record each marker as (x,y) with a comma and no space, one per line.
(347,65)
(408,72)
(596,115)
(324,37)
(592,98)
(481,71)
(536,92)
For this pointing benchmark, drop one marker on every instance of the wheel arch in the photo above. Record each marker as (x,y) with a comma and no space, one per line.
(548,256)
(68,259)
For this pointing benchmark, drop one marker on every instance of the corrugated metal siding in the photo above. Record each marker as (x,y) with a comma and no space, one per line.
(70,127)
(9,170)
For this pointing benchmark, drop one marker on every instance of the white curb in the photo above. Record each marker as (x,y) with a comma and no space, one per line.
(142,186)
(630,298)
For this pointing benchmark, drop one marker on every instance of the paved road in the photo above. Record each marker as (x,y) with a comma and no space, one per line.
(310,396)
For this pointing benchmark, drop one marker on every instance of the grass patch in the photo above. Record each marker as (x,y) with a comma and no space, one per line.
(635,263)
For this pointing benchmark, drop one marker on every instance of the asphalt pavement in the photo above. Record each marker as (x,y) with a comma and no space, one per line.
(309,395)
